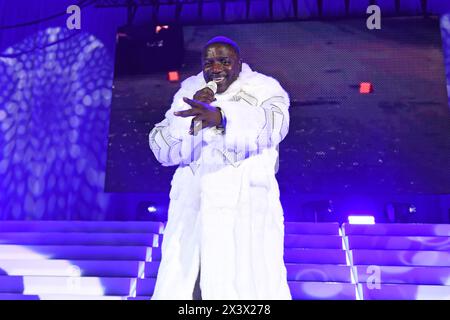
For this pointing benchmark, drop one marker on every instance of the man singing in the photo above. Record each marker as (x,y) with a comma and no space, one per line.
(225,220)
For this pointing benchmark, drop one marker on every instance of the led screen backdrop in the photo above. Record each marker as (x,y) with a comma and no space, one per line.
(393,140)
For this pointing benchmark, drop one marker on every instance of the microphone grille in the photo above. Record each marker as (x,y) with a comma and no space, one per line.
(213,86)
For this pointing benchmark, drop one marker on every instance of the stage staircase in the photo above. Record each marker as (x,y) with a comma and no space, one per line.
(119,260)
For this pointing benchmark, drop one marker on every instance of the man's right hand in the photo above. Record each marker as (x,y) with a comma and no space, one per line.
(205,95)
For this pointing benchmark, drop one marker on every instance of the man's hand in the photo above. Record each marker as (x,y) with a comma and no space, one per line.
(205,115)
(205,95)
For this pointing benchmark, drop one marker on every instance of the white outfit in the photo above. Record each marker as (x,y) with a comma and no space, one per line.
(224,212)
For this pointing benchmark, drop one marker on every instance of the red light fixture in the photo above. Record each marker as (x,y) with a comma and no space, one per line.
(173,76)
(365,88)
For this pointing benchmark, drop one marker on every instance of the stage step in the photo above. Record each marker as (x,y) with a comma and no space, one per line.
(400,258)
(405,292)
(102,261)
(399,243)
(315,256)
(318,272)
(83,226)
(140,298)
(11,296)
(61,268)
(405,275)
(297,272)
(313,241)
(151,269)
(91,286)
(138,253)
(145,287)
(15,296)
(57,238)
(8,296)
(322,291)
(299,289)
(398,229)
(331,228)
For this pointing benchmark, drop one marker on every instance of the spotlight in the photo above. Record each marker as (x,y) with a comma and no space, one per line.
(148,210)
(361,219)
(159,28)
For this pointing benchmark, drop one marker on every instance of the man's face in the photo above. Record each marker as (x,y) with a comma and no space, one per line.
(221,64)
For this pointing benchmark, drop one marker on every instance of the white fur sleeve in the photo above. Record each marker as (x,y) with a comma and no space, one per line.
(170,140)
(251,127)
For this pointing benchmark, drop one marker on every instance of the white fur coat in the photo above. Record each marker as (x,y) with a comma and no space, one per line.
(225,216)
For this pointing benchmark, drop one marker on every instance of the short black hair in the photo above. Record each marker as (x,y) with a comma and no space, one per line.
(223,40)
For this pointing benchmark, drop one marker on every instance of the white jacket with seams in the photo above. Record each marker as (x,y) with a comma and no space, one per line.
(225,217)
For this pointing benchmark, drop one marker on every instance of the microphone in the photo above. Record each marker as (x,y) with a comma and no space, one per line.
(212,86)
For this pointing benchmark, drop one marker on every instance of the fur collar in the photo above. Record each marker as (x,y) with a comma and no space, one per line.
(254,83)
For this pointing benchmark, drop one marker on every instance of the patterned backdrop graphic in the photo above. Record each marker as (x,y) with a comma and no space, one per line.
(54,110)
